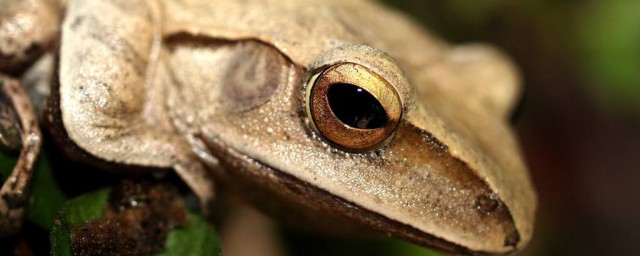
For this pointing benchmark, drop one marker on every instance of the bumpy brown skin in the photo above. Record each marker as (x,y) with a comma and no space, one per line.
(165,83)
(15,190)
(136,221)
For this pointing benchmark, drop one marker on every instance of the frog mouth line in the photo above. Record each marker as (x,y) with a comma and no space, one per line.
(239,165)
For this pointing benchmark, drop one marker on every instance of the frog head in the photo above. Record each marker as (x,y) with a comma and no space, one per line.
(346,108)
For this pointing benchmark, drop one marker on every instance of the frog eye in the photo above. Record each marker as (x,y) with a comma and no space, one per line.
(353,107)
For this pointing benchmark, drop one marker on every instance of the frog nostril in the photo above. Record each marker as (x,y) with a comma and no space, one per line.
(487,203)
(356,107)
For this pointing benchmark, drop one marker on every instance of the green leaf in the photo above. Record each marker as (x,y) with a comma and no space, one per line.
(85,208)
(7,162)
(46,197)
(404,248)
(610,33)
(76,212)
(60,240)
(197,238)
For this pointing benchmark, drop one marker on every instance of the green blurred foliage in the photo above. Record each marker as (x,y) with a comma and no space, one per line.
(473,12)
(600,39)
(610,45)
(7,162)
(60,239)
(75,212)
(46,196)
(400,247)
(303,243)
(85,208)
(197,238)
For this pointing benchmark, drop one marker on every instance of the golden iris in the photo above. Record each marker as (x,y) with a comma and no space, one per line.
(353,107)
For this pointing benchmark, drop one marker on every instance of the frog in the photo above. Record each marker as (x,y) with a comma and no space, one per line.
(340,109)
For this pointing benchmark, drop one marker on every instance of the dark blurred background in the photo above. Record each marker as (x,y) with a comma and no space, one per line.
(579,122)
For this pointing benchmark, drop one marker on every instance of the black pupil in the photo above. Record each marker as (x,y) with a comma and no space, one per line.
(356,107)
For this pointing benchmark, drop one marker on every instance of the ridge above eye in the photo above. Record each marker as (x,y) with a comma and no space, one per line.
(353,107)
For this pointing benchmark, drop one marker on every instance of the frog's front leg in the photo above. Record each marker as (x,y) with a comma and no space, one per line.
(28,28)
(108,102)
(18,133)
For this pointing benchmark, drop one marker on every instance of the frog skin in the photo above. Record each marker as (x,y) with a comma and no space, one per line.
(240,92)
